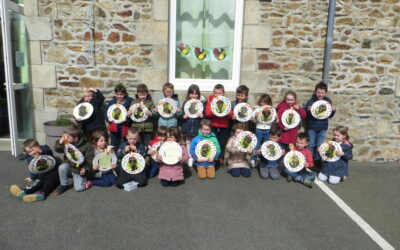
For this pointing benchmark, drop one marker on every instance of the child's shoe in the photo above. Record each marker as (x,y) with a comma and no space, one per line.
(308,183)
(17,192)
(289,178)
(61,189)
(190,162)
(34,197)
(88,184)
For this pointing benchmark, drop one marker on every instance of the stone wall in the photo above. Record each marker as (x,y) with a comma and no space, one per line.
(283,46)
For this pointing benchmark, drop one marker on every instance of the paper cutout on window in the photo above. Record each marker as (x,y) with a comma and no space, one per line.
(184,48)
(200,53)
(219,53)
(203,54)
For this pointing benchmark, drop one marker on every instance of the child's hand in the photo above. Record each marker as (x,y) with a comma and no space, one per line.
(148,112)
(113,165)
(185,116)
(210,159)
(109,120)
(82,171)
(200,160)
(127,148)
(159,157)
(258,151)
(129,112)
(151,152)
(178,109)
(249,151)
(28,179)
(95,167)
(333,108)
(309,108)
(62,139)
(92,89)
(295,106)
(340,153)
(291,146)
(234,117)
(306,165)
(133,148)
(200,115)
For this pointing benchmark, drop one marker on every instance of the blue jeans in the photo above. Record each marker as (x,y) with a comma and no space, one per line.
(222,135)
(106,180)
(301,176)
(153,169)
(262,136)
(317,137)
(235,172)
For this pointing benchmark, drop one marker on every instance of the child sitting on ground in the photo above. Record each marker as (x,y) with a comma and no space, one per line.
(302,176)
(161,136)
(80,171)
(132,144)
(42,184)
(237,161)
(205,168)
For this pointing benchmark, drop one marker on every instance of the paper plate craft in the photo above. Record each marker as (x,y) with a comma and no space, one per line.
(271,150)
(104,160)
(321,109)
(246,141)
(156,147)
(193,107)
(83,111)
(290,119)
(266,114)
(294,161)
(220,106)
(133,163)
(41,164)
(243,112)
(219,54)
(166,107)
(200,53)
(205,150)
(139,112)
(117,113)
(73,154)
(328,151)
(170,152)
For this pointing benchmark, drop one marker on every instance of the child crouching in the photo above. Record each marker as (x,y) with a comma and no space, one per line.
(237,161)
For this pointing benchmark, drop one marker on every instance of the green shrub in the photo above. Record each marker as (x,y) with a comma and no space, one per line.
(63,120)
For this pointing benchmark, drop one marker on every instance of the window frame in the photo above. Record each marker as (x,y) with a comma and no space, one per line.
(206,84)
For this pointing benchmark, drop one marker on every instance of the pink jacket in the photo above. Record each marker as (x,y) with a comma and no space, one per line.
(174,172)
(288,136)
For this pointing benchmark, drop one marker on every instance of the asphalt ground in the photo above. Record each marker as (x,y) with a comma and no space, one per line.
(224,213)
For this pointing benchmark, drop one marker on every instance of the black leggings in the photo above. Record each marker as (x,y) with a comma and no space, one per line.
(46,183)
(124,177)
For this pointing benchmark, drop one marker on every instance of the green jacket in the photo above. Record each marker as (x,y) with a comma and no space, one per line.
(148,125)
(88,154)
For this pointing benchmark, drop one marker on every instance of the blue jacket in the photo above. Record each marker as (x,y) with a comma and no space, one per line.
(314,123)
(199,138)
(340,167)
(45,151)
(95,121)
(171,121)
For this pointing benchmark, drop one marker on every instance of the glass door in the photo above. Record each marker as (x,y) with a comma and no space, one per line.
(19,93)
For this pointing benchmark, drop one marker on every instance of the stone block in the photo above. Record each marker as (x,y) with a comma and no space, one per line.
(31,8)
(41,137)
(249,60)
(35,52)
(255,81)
(38,98)
(39,28)
(160,10)
(251,14)
(154,78)
(43,76)
(159,57)
(42,116)
(384,128)
(257,36)
(153,33)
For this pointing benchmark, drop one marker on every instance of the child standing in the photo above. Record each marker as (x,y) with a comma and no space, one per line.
(270,168)
(317,127)
(242,94)
(95,121)
(168,92)
(289,102)
(302,176)
(190,126)
(132,144)
(43,184)
(118,131)
(237,161)
(220,125)
(205,169)
(161,136)
(338,169)
(146,127)
(172,175)
(80,172)
(103,179)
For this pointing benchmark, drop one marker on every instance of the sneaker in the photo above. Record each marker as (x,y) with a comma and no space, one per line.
(33,197)
(289,178)
(61,189)
(253,163)
(190,162)
(88,184)
(17,192)
(308,183)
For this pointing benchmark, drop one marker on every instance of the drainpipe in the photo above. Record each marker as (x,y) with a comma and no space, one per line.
(328,41)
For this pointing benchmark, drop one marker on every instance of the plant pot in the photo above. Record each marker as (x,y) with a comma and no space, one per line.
(53,133)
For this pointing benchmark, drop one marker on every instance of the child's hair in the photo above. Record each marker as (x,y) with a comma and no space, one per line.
(242,89)
(265,98)
(162,131)
(30,143)
(275,130)
(133,131)
(73,130)
(290,92)
(343,131)
(120,88)
(168,85)
(240,125)
(97,134)
(322,86)
(219,87)
(86,92)
(193,89)
(303,136)
(142,88)
(174,131)
(205,122)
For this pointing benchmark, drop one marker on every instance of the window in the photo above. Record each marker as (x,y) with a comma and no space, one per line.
(205,43)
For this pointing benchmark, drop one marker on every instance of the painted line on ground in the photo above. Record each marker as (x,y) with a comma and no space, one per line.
(375,236)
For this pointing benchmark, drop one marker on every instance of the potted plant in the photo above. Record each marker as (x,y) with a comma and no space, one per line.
(55,129)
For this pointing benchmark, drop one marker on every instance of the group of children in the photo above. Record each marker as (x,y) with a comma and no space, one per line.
(138,137)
